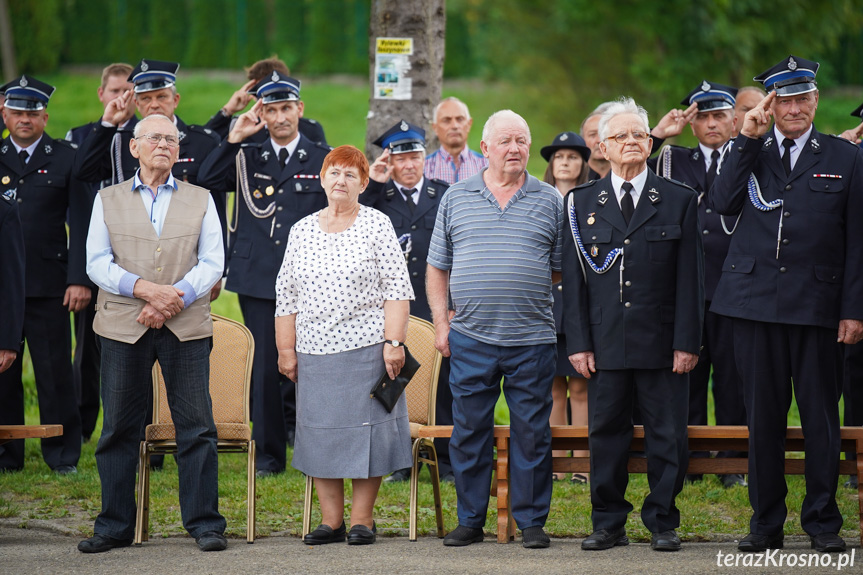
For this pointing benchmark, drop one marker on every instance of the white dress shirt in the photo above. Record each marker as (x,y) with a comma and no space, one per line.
(798,144)
(637,182)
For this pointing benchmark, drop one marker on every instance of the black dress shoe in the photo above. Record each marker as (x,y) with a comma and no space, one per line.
(754,543)
(99,543)
(65,470)
(399,475)
(605,539)
(852,482)
(461,536)
(266,472)
(828,543)
(665,541)
(290,437)
(448,477)
(732,480)
(362,535)
(692,478)
(324,534)
(534,538)
(212,541)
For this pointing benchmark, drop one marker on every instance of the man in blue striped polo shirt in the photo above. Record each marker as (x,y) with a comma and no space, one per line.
(495,247)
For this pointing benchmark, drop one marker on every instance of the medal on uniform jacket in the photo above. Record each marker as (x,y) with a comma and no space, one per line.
(590,219)
(594,251)
(258,195)
(6,180)
(269,190)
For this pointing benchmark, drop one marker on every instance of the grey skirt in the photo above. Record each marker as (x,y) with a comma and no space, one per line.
(342,432)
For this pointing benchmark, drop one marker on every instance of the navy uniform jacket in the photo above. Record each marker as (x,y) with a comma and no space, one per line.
(293,192)
(816,279)
(687,167)
(420,225)
(45,190)
(11,275)
(309,128)
(663,292)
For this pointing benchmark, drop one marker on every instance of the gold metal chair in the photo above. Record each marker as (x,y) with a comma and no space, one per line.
(420,395)
(230,377)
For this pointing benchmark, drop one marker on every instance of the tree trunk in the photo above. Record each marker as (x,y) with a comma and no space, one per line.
(7,46)
(423,21)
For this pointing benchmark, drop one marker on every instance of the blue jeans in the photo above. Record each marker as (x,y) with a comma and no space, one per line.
(476,369)
(126,384)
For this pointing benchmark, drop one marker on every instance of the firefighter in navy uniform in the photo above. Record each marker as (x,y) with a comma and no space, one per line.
(398,188)
(792,284)
(36,172)
(277,184)
(104,154)
(696,167)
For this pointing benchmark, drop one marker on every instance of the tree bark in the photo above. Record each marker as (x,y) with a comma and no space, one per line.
(424,21)
(7,46)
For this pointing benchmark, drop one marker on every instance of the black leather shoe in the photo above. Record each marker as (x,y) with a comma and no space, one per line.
(324,534)
(65,470)
(754,543)
(692,478)
(828,543)
(362,535)
(99,543)
(266,472)
(461,536)
(732,480)
(852,482)
(665,541)
(447,477)
(290,437)
(534,538)
(212,541)
(399,475)
(605,539)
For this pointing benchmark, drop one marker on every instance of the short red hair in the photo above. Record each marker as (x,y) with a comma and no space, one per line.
(348,157)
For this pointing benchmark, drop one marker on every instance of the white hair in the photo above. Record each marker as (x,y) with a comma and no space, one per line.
(598,111)
(444,101)
(622,106)
(139,130)
(493,120)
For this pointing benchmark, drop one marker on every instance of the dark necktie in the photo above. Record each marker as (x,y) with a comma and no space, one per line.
(23,155)
(409,199)
(711,172)
(626,204)
(283,156)
(787,143)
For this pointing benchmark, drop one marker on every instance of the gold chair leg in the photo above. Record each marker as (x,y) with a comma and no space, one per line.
(434,470)
(412,525)
(141,517)
(251,494)
(307,506)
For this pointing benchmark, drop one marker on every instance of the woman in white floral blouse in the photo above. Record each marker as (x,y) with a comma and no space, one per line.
(343,298)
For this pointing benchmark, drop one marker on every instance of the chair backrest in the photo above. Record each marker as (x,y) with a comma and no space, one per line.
(230,375)
(421,392)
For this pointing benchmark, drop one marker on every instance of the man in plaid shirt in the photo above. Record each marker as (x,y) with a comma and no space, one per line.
(454,161)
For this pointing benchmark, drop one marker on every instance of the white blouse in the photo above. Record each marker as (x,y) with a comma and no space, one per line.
(337,283)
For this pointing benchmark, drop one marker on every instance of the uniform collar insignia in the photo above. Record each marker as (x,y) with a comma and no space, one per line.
(48,149)
(430,191)
(768,142)
(601,200)
(181,135)
(816,145)
(4,149)
(10,194)
(653,195)
(301,154)
(265,155)
(696,155)
(390,192)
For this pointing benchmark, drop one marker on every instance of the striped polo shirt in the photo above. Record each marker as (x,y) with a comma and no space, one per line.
(500,260)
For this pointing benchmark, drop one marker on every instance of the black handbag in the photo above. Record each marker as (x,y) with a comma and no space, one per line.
(387,390)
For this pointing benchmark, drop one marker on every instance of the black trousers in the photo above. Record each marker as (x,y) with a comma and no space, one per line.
(85,367)
(774,358)
(663,397)
(717,353)
(49,338)
(852,388)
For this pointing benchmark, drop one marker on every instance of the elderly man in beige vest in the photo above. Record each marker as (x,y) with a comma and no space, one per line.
(155,250)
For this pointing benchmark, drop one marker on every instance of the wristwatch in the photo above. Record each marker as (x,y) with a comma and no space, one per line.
(395,343)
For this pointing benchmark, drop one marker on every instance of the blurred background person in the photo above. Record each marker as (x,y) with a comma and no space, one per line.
(453,161)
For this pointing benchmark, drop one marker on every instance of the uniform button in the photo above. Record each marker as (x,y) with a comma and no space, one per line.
(734,267)
(626,242)
(627,283)
(49,181)
(158,269)
(279,209)
(20,200)
(281,191)
(708,211)
(59,255)
(782,269)
(787,214)
(788,187)
(21,181)
(159,249)
(413,227)
(415,274)
(785,242)
(413,259)
(662,234)
(278,225)
(278,242)
(705,232)
(627,304)
(559,288)
(593,238)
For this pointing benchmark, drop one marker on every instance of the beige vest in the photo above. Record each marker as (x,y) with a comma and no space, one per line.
(163,260)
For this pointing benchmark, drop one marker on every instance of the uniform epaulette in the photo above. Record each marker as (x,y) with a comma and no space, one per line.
(439,182)
(586,184)
(206,131)
(679,184)
(67,143)
(324,147)
(840,138)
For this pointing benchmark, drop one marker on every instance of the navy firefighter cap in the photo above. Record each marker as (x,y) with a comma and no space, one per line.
(403,138)
(790,76)
(276,87)
(27,93)
(711,96)
(151,75)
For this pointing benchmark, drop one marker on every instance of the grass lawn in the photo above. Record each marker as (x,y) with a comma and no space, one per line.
(340,104)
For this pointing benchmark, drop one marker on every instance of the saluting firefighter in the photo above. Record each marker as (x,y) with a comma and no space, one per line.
(277,184)
(398,188)
(36,172)
(712,125)
(633,304)
(792,284)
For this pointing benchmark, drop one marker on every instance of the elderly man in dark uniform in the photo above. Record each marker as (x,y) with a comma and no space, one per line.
(11,282)
(36,172)
(696,167)
(633,297)
(792,284)
(398,188)
(279,184)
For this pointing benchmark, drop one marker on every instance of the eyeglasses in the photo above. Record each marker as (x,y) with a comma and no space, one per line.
(172,141)
(622,138)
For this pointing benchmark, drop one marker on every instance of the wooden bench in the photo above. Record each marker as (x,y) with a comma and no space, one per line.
(701,438)
(12,432)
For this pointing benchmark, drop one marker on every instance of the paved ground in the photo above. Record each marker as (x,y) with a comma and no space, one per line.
(47,549)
